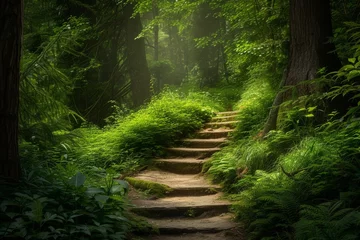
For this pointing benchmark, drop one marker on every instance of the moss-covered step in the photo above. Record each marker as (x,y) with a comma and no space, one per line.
(189,206)
(213,133)
(180,165)
(180,184)
(228,124)
(204,143)
(156,189)
(192,152)
(213,224)
(224,118)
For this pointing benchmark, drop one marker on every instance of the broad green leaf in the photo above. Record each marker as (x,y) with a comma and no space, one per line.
(124,184)
(310,109)
(352,60)
(94,191)
(116,189)
(78,180)
(101,199)
(119,218)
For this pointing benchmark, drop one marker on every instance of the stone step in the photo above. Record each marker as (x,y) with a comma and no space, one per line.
(189,206)
(225,235)
(229,124)
(214,224)
(181,185)
(204,143)
(180,165)
(228,113)
(200,153)
(224,118)
(213,133)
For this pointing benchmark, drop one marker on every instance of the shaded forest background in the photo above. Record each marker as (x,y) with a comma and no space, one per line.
(106,85)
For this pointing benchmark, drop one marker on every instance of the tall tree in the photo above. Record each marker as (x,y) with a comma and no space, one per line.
(310,50)
(11,25)
(136,57)
(206,55)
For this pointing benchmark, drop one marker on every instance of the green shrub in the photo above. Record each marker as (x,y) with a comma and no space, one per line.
(48,205)
(270,203)
(270,206)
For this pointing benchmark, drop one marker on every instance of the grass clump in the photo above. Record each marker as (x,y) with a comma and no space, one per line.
(253,107)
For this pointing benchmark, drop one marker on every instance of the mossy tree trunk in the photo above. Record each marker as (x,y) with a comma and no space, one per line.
(11,25)
(310,50)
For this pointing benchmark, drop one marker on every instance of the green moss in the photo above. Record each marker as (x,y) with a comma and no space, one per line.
(154,188)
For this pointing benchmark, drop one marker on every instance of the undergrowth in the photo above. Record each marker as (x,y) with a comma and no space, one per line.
(300,181)
(71,191)
(143,134)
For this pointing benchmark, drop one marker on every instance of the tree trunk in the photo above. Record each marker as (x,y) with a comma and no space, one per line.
(310,50)
(155,10)
(11,25)
(136,58)
(205,25)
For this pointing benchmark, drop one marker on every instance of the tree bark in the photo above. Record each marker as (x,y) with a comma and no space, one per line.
(11,26)
(310,49)
(207,56)
(155,10)
(136,58)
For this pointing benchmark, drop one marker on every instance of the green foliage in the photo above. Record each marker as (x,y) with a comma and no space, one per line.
(143,134)
(45,86)
(327,221)
(50,206)
(270,206)
(307,172)
(254,107)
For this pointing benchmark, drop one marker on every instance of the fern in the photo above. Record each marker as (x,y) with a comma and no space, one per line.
(44,86)
(328,221)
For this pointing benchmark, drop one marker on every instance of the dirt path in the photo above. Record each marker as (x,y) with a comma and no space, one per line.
(193,209)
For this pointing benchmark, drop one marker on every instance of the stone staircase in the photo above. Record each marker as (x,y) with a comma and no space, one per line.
(194,208)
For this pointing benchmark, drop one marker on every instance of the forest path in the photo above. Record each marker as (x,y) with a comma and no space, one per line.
(193,209)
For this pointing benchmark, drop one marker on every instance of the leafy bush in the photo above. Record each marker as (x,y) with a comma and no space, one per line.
(271,202)
(48,205)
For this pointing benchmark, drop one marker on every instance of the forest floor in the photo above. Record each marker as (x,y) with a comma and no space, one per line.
(192,208)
